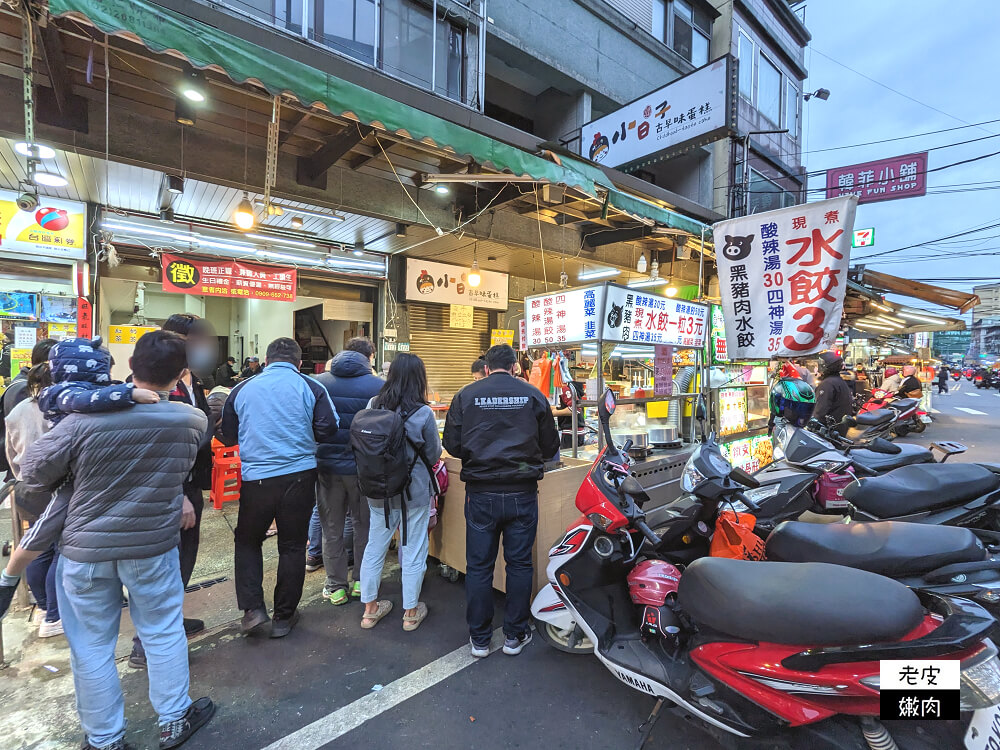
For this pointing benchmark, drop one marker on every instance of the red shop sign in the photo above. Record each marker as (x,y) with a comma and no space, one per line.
(227,278)
(883,180)
(84,318)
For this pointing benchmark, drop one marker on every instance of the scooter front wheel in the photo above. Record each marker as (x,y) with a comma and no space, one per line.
(559,638)
(918,425)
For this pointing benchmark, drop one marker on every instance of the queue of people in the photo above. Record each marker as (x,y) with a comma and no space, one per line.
(103,517)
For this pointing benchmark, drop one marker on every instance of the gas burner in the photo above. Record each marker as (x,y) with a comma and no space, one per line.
(640,453)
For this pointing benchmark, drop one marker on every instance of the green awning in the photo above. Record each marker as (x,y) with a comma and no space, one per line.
(204,46)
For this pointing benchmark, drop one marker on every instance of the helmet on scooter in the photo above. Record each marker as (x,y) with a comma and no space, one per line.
(652,581)
(793,400)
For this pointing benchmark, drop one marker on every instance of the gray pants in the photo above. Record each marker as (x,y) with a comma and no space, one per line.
(336,495)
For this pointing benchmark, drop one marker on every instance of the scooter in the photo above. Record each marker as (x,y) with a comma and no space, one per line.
(783,652)
(909,416)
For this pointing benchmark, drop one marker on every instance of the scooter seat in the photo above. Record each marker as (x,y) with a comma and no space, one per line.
(883,462)
(877,417)
(904,404)
(890,548)
(911,489)
(797,603)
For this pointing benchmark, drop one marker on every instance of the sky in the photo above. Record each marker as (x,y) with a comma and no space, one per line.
(935,53)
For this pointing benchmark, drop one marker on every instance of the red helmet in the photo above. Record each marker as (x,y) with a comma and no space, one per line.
(652,581)
(889,371)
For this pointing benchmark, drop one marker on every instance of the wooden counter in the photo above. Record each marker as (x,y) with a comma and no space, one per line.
(556,510)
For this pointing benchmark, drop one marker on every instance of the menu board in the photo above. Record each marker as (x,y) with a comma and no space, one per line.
(732,411)
(663,371)
(718,337)
(562,317)
(633,316)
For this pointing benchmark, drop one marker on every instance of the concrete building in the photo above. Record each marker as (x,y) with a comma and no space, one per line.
(989,306)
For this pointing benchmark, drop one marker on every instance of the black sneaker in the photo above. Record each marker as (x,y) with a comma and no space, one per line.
(137,659)
(180,730)
(119,745)
(313,564)
(253,621)
(281,628)
(192,626)
(514,646)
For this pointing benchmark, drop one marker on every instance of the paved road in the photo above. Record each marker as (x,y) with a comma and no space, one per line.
(332,685)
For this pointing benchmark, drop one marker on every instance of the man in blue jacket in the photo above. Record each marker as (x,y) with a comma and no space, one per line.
(277,418)
(351,384)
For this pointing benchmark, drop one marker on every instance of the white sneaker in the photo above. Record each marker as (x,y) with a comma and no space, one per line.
(480,652)
(38,616)
(50,629)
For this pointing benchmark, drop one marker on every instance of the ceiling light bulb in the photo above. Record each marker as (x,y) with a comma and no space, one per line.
(563,280)
(297,222)
(192,86)
(671,291)
(50,179)
(244,217)
(641,265)
(175,184)
(474,277)
(184,113)
(34,150)
(441,189)
(654,269)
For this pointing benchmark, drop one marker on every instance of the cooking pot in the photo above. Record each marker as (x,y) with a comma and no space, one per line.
(662,435)
(639,439)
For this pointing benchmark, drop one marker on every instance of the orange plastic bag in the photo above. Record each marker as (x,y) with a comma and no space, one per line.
(541,374)
(557,381)
(734,537)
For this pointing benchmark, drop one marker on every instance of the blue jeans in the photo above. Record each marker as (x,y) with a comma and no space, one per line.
(41,578)
(413,553)
(90,595)
(488,515)
(315,535)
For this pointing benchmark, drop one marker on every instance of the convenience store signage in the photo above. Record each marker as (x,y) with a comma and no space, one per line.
(640,318)
(54,229)
(445,284)
(227,278)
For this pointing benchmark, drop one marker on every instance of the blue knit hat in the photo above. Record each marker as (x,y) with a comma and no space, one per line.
(80,360)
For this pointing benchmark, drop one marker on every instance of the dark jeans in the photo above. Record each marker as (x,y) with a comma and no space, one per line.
(339,500)
(488,515)
(41,578)
(942,386)
(191,537)
(287,499)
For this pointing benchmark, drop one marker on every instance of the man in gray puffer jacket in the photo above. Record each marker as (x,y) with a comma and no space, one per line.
(122,527)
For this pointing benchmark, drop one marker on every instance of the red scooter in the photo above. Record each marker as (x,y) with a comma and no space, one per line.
(786,653)
(909,416)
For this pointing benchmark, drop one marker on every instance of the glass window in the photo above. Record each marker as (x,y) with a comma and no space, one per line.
(406,41)
(766,195)
(450,54)
(660,19)
(699,50)
(769,90)
(792,110)
(683,32)
(692,31)
(745,54)
(347,26)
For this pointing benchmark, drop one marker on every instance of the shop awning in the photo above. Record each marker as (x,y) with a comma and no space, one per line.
(961,301)
(164,31)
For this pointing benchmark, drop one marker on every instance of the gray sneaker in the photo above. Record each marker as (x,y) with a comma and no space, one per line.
(514,646)
(480,652)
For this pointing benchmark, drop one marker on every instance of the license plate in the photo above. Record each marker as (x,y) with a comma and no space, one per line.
(984,730)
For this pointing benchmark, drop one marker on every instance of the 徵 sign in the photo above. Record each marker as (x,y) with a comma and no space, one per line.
(882,180)
(782,277)
(55,228)
(691,110)
(863,237)
(227,278)
(445,284)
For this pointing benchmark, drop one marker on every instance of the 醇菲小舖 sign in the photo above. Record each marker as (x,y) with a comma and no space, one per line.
(782,277)
(882,180)
(691,110)
(445,284)
(55,228)
(227,278)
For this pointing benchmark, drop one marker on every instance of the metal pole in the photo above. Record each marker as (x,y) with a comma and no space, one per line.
(600,388)
(481,73)
(434,46)
(746,175)
(574,426)
(305,19)
(701,264)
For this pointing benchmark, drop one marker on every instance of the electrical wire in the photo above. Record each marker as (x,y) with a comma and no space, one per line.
(396,175)
(920,244)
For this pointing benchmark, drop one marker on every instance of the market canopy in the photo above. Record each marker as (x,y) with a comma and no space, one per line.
(203,46)
(961,301)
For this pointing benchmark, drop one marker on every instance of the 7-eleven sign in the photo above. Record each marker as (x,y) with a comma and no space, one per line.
(863,237)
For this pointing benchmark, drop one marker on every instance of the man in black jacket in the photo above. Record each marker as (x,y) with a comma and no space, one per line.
(833,395)
(502,429)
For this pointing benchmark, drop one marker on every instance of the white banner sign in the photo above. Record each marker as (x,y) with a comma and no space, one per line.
(569,316)
(427,281)
(782,278)
(686,109)
(638,317)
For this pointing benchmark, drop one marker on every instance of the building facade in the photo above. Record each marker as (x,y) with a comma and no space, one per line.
(989,306)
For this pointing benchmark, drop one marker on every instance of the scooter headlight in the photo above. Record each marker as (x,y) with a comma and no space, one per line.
(980,685)
(691,478)
(826,465)
(760,494)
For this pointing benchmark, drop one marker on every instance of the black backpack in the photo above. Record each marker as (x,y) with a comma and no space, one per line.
(378,441)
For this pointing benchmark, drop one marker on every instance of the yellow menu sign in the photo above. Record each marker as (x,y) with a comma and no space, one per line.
(128,334)
(55,228)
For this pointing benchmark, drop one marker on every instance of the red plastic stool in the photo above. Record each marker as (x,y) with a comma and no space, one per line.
(226,481)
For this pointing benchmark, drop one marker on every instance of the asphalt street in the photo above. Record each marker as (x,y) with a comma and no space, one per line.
(331,684)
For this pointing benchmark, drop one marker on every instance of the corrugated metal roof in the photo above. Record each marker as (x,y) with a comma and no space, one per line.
(136,189)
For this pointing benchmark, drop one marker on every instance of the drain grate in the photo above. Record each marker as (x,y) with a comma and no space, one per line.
(193,587)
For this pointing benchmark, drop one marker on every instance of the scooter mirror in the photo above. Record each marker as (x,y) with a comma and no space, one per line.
(606,406)
(738,475)
(699,410)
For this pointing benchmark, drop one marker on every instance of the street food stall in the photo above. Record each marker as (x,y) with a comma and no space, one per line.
(645,347)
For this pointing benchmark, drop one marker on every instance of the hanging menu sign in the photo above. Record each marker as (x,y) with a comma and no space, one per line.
(663,370)
(630,315)
(227,278)
(566,316)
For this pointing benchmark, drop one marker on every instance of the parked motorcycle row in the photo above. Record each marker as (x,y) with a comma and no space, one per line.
(783,646)
(985,378)
(884,414)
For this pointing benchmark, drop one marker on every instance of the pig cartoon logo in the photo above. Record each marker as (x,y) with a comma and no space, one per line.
(615,316)
(737,248)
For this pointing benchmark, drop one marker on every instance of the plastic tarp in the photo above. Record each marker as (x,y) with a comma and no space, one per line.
(204,46)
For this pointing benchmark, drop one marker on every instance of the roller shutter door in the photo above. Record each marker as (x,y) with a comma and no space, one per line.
(447,352)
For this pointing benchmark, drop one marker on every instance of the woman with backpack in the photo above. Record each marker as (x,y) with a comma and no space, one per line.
(405,393)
